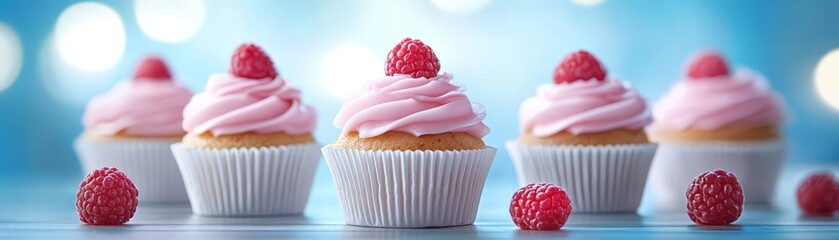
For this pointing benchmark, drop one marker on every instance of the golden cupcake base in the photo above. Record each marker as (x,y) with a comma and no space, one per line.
(121,136)
(245,140)
(405,141)
(734,133)
(613,137)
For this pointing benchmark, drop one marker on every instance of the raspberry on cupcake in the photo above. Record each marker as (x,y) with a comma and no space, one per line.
(716,117)
(411,142)
(587,119)
(132,126)
(414,58)
(249,149)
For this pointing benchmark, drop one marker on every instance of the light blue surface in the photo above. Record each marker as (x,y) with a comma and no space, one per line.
(49,214)
(45,210)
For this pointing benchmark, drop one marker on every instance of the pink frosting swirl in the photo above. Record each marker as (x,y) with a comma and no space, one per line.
(584,107)
(141,107)
(713,103)
(418,106)
(234,105)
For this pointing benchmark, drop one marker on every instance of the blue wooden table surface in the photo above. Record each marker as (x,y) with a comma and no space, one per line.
(177,222)
(45,210)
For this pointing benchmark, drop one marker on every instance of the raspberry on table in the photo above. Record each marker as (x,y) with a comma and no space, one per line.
(412,57)
(152,68)
(819,194)
(580,65)
(707,65)
(249,61)
(715,198)
(106,197)
(540,206)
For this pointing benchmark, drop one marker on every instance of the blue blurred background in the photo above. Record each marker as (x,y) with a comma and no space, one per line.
(55,55)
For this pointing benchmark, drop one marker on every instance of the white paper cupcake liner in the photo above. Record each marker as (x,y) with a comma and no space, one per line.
(409,189)
(598,179)
(147,162)
(756,165)
(248,181)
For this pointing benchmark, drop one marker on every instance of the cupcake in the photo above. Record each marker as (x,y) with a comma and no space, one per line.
(715,119)
(131,128)
(411,152)
(249,149)
(585,133)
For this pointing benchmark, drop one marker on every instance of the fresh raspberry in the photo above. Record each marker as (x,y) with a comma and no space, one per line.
(580,65)
(249,61)
(152,68)
(707,65)
(540,206)
(819,194)
(412,57)
(106,197)
(715,198)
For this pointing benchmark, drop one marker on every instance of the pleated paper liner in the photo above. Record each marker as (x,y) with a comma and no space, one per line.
(409,189)
(756,165)
(248,181)
(598,179)
(147,162)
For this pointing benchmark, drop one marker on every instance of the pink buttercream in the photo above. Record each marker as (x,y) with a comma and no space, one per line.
(584,107)
(138,108)
(418,106)
(234,105)
(713,103)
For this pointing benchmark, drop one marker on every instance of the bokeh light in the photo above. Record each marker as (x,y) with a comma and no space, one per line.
(347,67)
(170,21)
(67,84)
(90,36)
(11,56)
(588,3)
(460,6)
(827,78)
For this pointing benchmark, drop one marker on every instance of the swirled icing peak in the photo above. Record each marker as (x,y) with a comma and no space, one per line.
(234,105)
(587,106)
(743,99)
(241,102)
(151,105)
(418,106)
